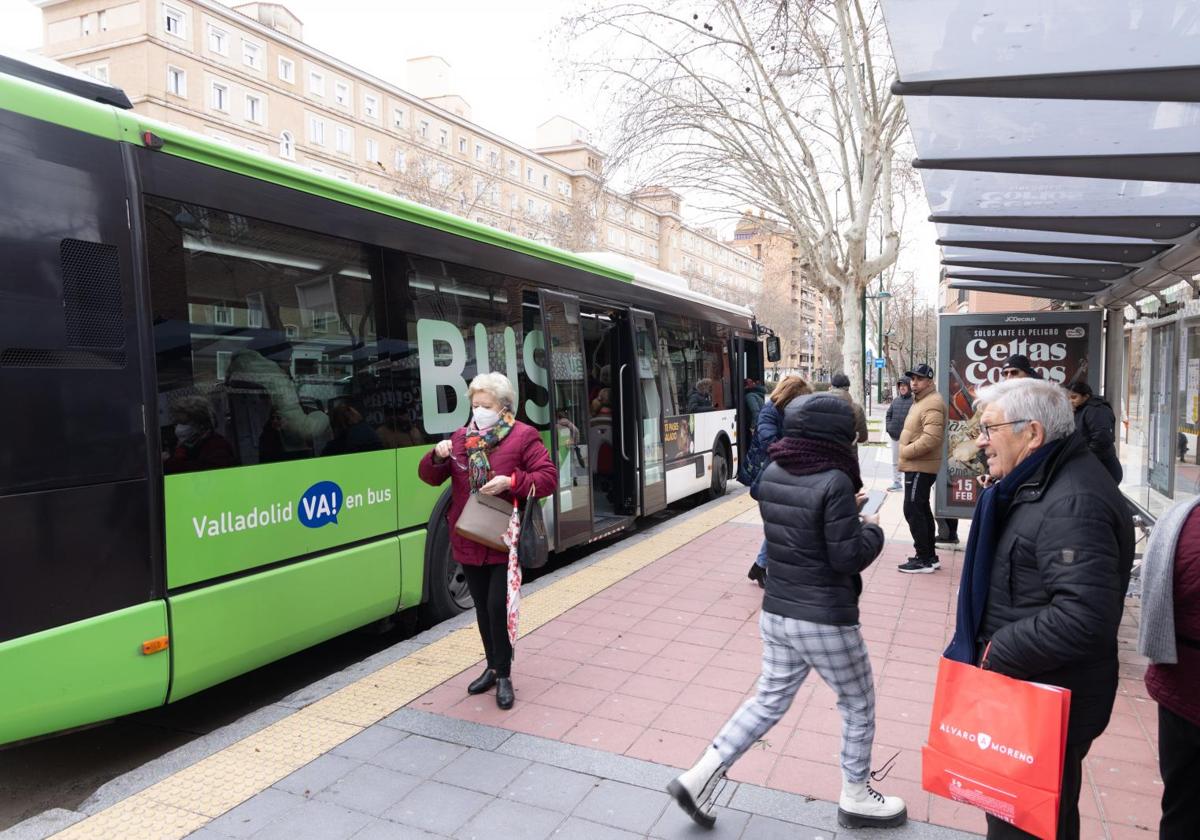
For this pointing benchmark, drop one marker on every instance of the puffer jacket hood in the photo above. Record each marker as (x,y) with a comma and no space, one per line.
(820,417)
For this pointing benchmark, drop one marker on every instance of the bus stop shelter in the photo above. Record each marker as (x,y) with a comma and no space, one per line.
(1058,142)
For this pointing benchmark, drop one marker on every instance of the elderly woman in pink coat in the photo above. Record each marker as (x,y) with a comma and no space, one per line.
(495,454)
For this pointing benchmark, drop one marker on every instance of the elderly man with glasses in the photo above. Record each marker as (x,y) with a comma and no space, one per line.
(1046,568)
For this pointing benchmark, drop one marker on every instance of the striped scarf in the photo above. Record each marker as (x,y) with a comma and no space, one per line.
(479,444)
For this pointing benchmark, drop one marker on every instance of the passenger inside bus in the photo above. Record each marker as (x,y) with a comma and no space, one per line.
(197,445)
(350,433)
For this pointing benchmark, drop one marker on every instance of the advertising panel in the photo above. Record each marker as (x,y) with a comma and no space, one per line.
(972,349)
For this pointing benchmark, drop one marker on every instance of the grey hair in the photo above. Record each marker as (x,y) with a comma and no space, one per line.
(1032,399)
(496,384)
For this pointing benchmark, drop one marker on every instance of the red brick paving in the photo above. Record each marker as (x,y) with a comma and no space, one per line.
(654,665)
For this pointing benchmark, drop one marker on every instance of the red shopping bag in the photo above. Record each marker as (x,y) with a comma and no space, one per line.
(997,743)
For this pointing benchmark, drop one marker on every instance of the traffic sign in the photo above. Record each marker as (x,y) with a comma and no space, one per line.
(879,363)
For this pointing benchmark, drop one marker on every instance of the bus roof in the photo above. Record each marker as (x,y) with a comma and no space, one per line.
(26,92)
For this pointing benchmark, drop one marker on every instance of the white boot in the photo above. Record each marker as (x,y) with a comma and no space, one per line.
(861,806)
(694,788)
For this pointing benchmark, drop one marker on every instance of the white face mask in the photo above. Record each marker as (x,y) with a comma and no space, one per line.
(186,434)
(485,418)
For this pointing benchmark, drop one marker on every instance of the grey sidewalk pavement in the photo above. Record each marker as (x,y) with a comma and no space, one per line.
(420,775)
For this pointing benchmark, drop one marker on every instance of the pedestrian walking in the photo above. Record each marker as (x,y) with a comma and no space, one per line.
(1046,568)
(770,421)
(893,424)
(920,456)
(1096,423)
(818,546)
(1170,638)
(497,455)
(839,386)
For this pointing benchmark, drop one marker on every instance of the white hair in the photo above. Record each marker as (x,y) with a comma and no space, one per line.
(497,385)
(1032,399)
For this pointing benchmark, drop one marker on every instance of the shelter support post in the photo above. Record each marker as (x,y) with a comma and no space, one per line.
(1114,365)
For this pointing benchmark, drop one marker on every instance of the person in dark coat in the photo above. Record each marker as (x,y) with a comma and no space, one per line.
(754,399)
(893,424)
(1046,569)
(839,386)
(198,446)
(818,545)
(1096,424)
(498,455)
(770,429)
(1169,637)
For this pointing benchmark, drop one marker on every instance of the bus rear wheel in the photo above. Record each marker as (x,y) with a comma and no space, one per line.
(720,472)
(448,592)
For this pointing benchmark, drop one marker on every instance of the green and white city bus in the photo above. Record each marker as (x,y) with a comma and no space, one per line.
(220,371)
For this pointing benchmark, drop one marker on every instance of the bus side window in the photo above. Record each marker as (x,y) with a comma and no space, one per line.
(266,345)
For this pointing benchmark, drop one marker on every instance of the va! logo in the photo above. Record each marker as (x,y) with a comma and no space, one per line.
(320,504)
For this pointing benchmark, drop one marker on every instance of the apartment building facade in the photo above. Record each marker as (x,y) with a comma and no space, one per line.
(244,75)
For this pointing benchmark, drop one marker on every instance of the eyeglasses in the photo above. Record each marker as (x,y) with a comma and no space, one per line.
(985,430)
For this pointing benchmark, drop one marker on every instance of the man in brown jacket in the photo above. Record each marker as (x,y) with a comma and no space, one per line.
(920,456)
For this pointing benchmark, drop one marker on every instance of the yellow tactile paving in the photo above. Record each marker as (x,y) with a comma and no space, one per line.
(187,800)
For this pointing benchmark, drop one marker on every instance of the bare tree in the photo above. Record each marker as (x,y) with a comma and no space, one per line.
(430,180)
(781,105)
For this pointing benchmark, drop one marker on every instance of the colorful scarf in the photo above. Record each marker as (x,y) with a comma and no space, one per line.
(807,456)
(479,444)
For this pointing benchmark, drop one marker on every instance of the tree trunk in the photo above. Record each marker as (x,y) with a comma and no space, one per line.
(851,329)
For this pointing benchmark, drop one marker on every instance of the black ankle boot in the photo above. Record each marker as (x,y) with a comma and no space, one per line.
(757,574)
(504,693)
(483,682)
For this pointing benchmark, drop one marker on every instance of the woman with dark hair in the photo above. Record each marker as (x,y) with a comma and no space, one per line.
(1096,423)
(770,421)
(819,545)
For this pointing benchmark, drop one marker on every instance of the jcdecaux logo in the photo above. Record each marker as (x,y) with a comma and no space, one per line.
(320,504)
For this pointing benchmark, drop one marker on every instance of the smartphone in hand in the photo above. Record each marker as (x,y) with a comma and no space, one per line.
(874,502)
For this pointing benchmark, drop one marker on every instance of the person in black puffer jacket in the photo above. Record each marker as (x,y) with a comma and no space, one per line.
(893,424)
(1047,565)
(818,546)
(1096,423)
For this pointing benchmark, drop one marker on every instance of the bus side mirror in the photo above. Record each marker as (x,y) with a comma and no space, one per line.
(773,351)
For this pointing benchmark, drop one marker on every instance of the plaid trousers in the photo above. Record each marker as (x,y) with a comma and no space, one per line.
(791,648)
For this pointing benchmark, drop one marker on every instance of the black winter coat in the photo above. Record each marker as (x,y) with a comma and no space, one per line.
(1059,574)
(816,545)
(897,413)
(1096,423)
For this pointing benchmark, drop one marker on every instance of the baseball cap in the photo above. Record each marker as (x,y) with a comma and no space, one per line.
(923,370)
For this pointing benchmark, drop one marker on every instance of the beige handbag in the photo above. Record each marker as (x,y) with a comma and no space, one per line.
(484,520)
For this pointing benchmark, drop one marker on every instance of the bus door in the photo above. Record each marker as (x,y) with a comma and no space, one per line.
(568,418)
(640,385)
(747,355)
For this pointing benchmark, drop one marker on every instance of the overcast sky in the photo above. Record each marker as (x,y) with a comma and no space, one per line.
(504,60)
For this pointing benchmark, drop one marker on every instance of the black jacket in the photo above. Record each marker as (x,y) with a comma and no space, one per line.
(816,544)
(1059,575)
(1096,423)
(896,414)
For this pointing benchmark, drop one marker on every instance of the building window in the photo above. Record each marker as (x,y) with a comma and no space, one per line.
(493,159)
(401,160)
(316,83)
(174,22)
(222,316)
(316,131)
(287,146)
(513,167)
(103,20)
(372,148)
(341,94)
(545,182)
(218,40)
(220,97)
(425,129)
(479,152)
(100,73)
(529,174)
(176,81)
(443,137)
(462,145)
(530,206)
(287,70)
(254,108)
(398,120)
(343,139)
(85,25)
(252,55)
(371,107)
(514,202)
